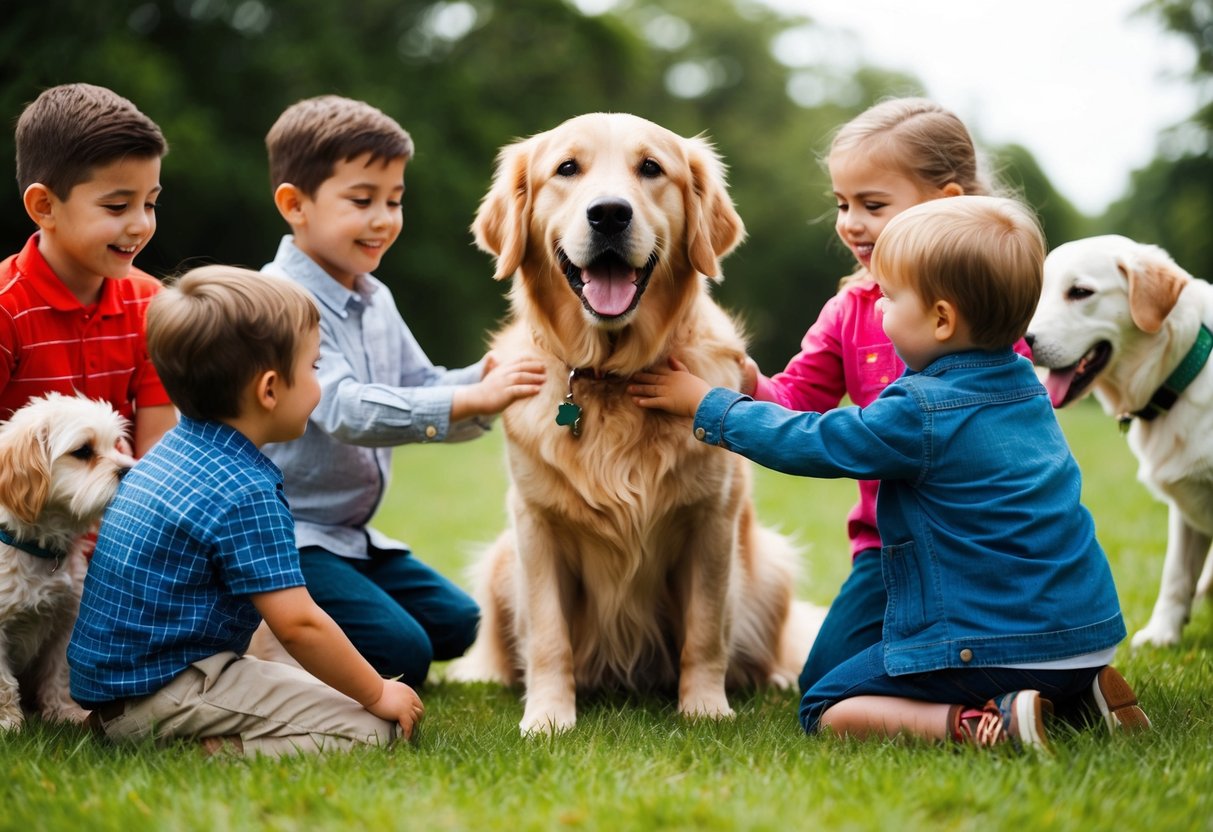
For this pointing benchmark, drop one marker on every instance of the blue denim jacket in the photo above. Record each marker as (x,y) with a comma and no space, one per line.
(990,559)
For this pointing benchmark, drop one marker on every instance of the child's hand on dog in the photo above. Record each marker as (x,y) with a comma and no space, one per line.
(501,385)
(673,389)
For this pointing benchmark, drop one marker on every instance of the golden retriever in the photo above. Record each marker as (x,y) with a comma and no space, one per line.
(1121,318)
(633,559)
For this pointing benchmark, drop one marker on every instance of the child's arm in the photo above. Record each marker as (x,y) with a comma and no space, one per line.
(151,423)
(673,389)
(501,385)
(318,644)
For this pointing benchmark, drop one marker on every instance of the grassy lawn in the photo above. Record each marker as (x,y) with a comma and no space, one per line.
(634,764)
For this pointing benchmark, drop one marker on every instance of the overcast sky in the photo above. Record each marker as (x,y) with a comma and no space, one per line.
(1081,83)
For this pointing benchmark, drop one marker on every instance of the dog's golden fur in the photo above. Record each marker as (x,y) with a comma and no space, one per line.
(633,558)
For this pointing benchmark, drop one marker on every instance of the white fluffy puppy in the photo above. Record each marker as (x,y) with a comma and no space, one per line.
(60,464)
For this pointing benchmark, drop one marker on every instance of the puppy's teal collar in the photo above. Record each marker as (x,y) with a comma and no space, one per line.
(30,548)
(1164,397)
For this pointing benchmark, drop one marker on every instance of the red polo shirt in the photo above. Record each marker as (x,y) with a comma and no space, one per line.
(50,342)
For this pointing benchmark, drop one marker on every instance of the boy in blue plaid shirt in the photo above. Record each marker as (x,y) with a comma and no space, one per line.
(198,547)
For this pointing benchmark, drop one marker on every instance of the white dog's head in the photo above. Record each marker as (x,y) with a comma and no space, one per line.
(60,463)
(1103,314)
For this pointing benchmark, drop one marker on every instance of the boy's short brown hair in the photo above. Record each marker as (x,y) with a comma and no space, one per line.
(214,329)
(69,130)
(985,254)
(312,136)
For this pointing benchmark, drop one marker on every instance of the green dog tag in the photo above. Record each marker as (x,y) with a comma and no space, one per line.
(568,414)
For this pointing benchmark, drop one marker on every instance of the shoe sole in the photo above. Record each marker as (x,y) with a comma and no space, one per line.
(1028,725)
(1117,703)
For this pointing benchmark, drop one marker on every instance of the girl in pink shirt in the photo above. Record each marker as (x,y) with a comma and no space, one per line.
(896,154)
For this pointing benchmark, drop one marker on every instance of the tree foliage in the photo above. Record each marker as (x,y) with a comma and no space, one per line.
(466,77)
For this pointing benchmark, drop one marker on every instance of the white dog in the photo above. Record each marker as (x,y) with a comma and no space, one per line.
(1122,319)
(59,466)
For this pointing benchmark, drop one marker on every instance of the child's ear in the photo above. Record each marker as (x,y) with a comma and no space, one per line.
(265,389)
(39,202)
(289,200)
(946,320)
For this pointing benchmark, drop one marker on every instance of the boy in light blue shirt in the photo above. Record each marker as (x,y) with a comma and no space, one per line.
(1001,604)
(337,167)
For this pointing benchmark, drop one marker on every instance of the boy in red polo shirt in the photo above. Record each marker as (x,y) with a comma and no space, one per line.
(71,306)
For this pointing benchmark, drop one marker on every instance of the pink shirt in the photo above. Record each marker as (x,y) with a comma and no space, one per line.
(844,353)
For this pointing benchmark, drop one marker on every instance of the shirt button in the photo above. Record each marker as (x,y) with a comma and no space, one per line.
(430,432)
(966,655)
(700,433)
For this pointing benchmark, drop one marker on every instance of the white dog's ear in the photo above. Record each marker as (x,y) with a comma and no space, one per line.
(714,228)
(505,212)
(25,475)
(1154,286)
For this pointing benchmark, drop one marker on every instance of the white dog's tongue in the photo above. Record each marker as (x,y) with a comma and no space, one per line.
(1057,382)
(609,287)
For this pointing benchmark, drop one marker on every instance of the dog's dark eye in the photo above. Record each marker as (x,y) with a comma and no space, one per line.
(650,169)
(1079,293)
(568,168)
(84,452)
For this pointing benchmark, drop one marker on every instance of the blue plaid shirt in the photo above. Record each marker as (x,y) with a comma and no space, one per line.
(198,525)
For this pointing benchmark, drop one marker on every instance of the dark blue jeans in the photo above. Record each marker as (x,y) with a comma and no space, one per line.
(864,675)
(854,622)
(398,612)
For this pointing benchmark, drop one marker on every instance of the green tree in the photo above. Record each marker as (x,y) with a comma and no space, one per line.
(464,77)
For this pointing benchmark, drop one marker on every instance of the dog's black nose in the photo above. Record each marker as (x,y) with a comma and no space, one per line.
(609,215)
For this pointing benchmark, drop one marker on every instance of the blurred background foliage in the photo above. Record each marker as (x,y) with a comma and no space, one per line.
(467,76)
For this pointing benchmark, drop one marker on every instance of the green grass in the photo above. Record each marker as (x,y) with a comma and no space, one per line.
(634,764)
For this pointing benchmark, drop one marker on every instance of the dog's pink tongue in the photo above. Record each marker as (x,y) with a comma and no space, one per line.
(609,288)
(1057,382)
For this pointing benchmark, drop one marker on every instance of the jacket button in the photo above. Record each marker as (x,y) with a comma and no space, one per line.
(430,432)
(700,433)
(966,655)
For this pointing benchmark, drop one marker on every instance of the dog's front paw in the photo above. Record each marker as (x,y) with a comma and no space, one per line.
(547,719)
(65,713)
(707,706)
(11,719)
(1157,635)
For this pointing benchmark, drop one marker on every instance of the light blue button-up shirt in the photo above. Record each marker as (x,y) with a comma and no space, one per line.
(378,390)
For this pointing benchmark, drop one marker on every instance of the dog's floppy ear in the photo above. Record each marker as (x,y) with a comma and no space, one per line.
(505,212)
(1154,286)
(25,475)
(714,227)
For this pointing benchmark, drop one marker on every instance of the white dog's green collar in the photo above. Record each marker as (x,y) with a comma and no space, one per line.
(1183,375)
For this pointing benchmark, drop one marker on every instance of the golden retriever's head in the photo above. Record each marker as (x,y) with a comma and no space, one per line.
(610,221)
(1104,308)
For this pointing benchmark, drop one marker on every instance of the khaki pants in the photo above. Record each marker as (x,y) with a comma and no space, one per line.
(274,708)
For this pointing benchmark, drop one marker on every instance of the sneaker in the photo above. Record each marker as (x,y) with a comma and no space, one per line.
(1016,718)
(1116,702)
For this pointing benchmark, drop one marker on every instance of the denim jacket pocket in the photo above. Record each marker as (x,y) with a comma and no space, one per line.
(908,589)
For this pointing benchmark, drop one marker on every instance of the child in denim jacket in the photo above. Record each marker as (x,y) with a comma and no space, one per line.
(1001,602)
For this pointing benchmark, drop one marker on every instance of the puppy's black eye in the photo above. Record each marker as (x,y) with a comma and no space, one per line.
(568,168)
(84,452)
(650,169)
(1079,293)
